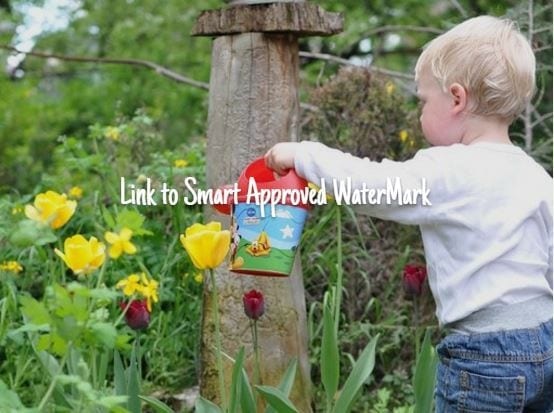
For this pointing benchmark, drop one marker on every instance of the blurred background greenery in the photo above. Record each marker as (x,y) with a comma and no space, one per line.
(66,123)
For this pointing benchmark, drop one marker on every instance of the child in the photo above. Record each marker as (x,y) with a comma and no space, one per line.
(488,231)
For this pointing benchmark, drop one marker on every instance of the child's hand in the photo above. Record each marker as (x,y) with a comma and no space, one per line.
(280,157)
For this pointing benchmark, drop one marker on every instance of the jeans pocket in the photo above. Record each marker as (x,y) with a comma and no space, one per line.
(480,394)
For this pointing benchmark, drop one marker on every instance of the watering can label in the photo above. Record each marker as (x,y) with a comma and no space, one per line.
(263,244)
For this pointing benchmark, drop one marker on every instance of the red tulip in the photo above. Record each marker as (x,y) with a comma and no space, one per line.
(254,306)
(137,315)
(413,279)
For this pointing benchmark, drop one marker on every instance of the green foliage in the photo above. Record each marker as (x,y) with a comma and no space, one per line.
(68,124)
(425,375)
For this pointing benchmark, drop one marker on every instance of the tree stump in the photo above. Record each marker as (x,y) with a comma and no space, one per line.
(253,104)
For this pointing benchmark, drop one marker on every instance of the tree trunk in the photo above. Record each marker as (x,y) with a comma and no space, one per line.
(253,105)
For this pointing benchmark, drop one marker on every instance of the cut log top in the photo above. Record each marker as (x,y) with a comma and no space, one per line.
(303,19)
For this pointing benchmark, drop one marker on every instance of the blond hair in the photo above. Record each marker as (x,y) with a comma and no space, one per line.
(490,58)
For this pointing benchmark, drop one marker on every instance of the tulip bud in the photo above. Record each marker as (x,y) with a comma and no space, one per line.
(137,315)
(254,306)
(413,279)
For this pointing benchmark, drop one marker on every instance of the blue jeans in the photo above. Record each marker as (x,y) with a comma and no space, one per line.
(501,372)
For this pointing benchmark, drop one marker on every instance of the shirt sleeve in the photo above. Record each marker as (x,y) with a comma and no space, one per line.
(419,175)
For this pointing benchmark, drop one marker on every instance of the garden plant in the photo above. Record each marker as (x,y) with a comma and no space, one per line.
(101,303)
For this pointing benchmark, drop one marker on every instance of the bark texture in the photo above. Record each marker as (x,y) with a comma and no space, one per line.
(301,18)
(253,104)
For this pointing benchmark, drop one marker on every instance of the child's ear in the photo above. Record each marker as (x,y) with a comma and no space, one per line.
(459,98)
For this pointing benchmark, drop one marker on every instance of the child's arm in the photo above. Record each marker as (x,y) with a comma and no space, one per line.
(315,161)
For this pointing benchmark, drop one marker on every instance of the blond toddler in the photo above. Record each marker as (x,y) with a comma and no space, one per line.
(487,234)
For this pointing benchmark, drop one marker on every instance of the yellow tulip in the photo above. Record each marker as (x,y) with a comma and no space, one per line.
(51,208)
(82,256)
(207,245)
(120,243)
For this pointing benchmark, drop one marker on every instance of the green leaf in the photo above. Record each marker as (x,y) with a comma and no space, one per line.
(133,389)
(288,378)
(15,334)
(104,333)
(157,405)
(103,364)
(114,403)
(205,406)
(9,400)
(277,399)
(236,382)
(120,381)
(65,379)
(359,374)
(424,377)
(247,402)
(108,218)
(329,355)
(287,381)
(104,294)
(28,233)
(52,342)
(34,310)
(122,341)
(133,220)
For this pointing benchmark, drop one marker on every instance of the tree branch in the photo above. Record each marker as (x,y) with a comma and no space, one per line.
(133,62)
(401,28)
(340,60)
(183,79)
(459,7)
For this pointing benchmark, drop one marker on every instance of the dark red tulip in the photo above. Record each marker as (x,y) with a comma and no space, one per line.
(254,306)
(137,315)
(413,279)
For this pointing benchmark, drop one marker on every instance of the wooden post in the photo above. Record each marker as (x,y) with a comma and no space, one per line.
(254,104)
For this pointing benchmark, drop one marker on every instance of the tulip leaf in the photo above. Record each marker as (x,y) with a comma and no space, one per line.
(329,355)
(236,382)
(247,403)
(277,399)
(157,405)
(359,374)
(205,406)
(286,382)
(120,381)
(424,377)
(133,384)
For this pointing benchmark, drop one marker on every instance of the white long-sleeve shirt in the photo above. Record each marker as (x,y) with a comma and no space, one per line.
(488,233)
